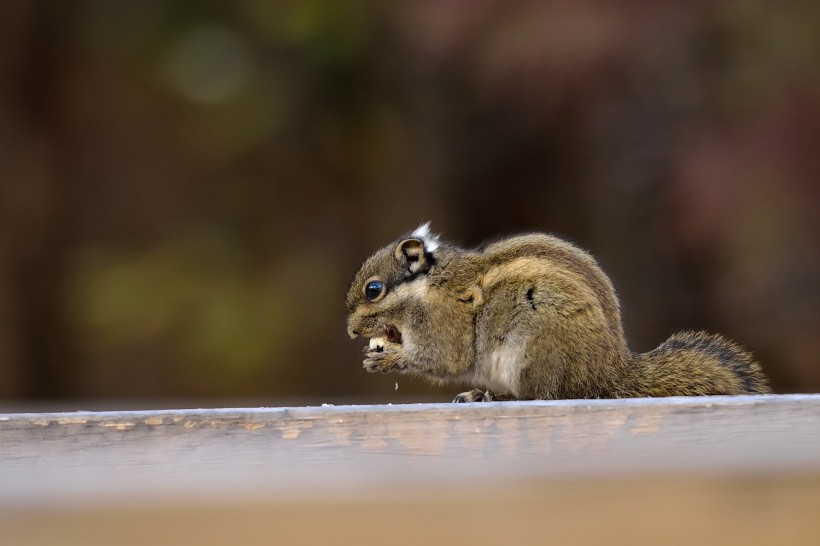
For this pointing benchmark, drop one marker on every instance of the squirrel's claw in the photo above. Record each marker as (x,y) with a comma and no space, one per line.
(475,395)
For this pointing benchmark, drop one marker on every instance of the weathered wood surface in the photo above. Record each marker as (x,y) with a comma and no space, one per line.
(292,452)
(724,470)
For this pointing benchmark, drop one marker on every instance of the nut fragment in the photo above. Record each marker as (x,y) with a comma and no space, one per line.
(377,343)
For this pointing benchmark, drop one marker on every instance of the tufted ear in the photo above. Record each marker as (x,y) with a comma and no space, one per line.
(410,253)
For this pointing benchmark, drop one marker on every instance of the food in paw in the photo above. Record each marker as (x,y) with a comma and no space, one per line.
(377,344)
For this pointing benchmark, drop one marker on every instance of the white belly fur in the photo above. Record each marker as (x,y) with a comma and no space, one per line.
(499,370)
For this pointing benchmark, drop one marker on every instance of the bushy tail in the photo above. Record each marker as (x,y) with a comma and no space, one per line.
(696,363)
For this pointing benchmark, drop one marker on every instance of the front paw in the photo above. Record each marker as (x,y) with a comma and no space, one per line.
(383,361)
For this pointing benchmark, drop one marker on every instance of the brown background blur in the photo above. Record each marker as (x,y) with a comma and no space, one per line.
(186,188)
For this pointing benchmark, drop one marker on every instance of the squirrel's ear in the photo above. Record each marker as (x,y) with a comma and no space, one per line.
(410,252)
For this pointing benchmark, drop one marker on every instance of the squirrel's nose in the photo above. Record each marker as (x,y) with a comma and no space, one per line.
(358,326)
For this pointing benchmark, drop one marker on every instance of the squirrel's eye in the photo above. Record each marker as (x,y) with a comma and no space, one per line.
(373,290)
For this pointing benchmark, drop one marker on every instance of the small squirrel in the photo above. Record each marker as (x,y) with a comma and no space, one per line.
(528,317)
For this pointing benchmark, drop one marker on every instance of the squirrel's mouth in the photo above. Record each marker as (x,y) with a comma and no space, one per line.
(390,335)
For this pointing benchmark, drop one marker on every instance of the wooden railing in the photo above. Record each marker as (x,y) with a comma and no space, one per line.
(729,469)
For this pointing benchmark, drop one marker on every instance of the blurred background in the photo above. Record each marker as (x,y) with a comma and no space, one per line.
(186,188)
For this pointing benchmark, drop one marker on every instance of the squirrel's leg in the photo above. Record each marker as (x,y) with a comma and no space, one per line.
(477,395)
(519,342)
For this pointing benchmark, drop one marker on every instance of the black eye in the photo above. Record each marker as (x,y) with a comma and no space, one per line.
(373,290)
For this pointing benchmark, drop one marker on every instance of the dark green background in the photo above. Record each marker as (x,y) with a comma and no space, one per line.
(186,188)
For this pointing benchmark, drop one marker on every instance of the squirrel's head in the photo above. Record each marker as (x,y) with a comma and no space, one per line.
(380,287)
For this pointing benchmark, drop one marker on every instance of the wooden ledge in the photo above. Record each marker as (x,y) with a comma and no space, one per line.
(306,451)
(728,470)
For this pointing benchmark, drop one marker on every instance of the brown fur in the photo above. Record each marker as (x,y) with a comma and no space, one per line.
(530,317)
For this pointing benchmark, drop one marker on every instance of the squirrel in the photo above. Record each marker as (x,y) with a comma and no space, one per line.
(527,317)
